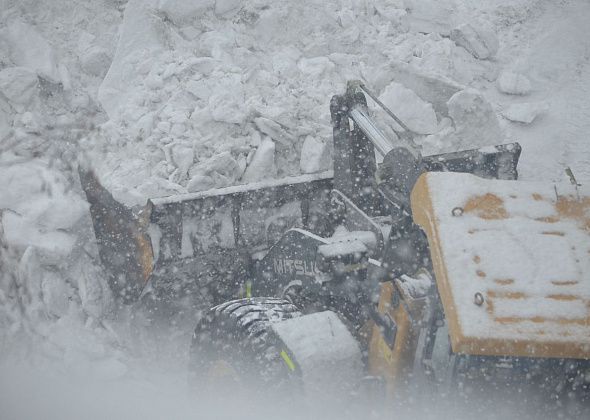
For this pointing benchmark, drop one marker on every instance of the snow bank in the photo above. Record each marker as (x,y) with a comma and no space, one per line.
(96,61)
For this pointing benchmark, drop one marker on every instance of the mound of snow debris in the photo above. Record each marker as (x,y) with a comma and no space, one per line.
(218,77)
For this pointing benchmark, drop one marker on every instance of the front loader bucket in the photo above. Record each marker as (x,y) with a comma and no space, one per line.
(192,243)
(123,244)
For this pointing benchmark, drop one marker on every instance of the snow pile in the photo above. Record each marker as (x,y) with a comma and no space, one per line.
(471,123)
(42,211)
(228,77)
(54,296)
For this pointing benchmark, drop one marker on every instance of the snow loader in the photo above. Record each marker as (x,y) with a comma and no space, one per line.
(391,270)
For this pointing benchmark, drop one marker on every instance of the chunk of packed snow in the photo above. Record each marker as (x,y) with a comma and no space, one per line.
(200,183)
(55,292)
(39,198)
(432,88)
(262,165)
(525,112)
(222,163)
(183,157)
(479,38)
(228,107)
(417,114)
(274,130)
(476,123)
(314,156)
(513,83)
(29,49)
(21,233)
(284,62)
(19,85)
(96,61)
(143,127)
(142,38)
(315,66)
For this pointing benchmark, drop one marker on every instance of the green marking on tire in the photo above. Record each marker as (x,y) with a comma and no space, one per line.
(288,360)
(248,289)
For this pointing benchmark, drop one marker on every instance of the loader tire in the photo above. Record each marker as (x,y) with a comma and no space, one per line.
(235,348)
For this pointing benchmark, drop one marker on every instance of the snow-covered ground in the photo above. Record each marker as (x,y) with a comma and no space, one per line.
(166,96)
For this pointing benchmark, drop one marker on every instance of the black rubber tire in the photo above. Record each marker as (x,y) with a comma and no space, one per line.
(239,333)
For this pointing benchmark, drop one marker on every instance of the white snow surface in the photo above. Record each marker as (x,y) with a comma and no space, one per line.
(167,96)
